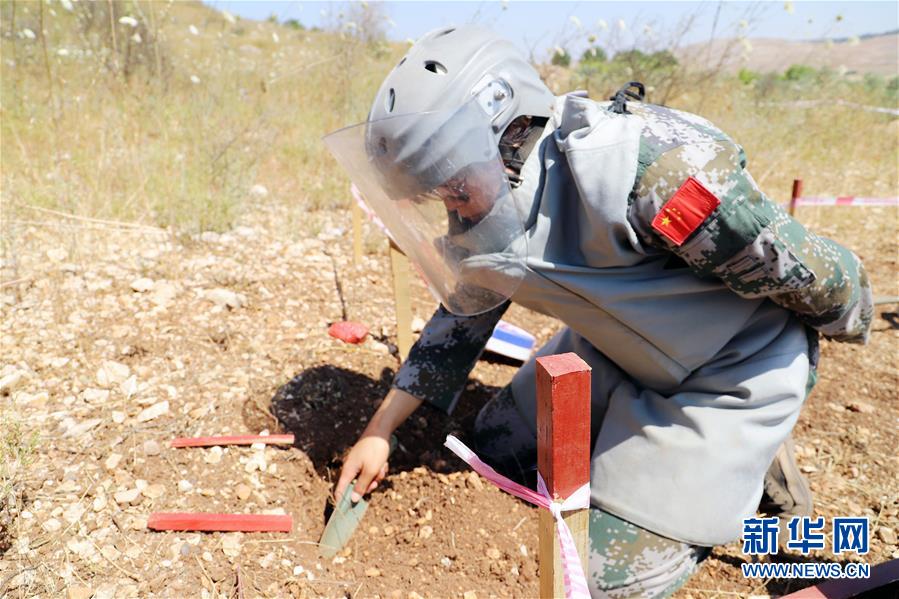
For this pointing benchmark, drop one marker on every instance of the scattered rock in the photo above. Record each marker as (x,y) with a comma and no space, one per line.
(469,595)
(57,254)
(381,348)
(258,192)
(51,525)
(100,502)
(152,448)
(76,430)
(11,381)
(73,513)
(225,298)
(78,592)
(154,491)
(95,396)
(163,293)
(808,469)
(117,417)
(493,553)
(474,481)
(887,535)
(372,572)
(425,532)
(231,543)
(112,373)
(142,285)
(213,455)
(112,461)
(243,491)
(107,590)
(154,411)
(131,496)
(418,324)
(860,406)
(185,486)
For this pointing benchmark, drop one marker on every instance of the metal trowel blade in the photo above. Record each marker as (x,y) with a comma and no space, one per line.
(342,523)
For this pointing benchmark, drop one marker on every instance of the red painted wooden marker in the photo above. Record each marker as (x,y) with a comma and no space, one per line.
(219,522)
(563,423)
(233,440)
(351,332)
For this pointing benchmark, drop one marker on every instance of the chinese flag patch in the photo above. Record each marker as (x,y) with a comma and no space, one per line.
(685,211)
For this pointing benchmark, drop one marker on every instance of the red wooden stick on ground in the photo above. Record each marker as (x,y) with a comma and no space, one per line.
(797,193)
(219,522)
(233,440)
(563,456)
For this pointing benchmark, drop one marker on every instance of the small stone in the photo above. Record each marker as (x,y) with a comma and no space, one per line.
(887,535)
(474,481)
(99,503)
(446,562)
(425,532)
(808,469)
(107,590)
(77,430)
(258,192)
(469,595)
(78,592)
(95,396)
(112,462)
(213,455)
(152,448)
(73,513)
(298,570)
(112,373)
(9,382)
(225,298)
(372,572)
(418,325)
(493,553)
(51,525)
(130,496)
(154,491)
(231,543)
(860,406)
(414,595)
(243,491)
(142,285)
(118,417)
(185,486)
(379,347)
(523,550)
(388,530)
(154,411)
(57,254)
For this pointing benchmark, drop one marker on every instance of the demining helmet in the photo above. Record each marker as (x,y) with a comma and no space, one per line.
(427,161)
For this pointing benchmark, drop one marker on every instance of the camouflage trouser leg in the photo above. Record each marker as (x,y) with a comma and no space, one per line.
(625,560)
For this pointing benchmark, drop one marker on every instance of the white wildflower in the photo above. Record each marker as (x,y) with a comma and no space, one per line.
(27,34)
(788,6)
(622,25)
(193,30)
(136,38)
(602,24)
(130,21)
(647,30)
(194,79)
(62,52)
(410,41)
(67,4)
(744,24)
(577,22)
(229,17)
(275,37)
(559,51)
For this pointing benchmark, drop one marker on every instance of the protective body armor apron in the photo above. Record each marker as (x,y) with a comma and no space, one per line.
(683,343)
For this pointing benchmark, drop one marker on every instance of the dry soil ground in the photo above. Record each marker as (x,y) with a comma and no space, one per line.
(117,339)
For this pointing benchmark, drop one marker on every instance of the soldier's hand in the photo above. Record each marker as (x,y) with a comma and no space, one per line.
(367,463)
(367,460)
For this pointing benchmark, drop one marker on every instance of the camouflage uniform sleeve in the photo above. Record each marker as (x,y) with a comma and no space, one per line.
(752,245)
(440,361)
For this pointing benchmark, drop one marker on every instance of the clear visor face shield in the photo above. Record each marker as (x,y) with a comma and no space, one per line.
(438,183)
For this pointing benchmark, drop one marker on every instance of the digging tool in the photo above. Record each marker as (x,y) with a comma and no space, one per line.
(344,519)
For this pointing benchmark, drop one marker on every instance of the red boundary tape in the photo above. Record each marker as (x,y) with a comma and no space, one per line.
(220,522)
(233,440)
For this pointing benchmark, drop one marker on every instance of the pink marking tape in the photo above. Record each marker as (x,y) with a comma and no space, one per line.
(575,581)
(845,201)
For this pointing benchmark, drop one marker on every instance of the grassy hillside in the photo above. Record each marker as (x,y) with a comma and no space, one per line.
(168,114)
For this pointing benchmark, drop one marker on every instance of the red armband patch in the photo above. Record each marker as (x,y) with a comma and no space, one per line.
(685,211)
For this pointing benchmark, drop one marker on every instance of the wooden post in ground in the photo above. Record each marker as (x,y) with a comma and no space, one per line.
(797,193)
(399,264)
(563,457)
(357,234)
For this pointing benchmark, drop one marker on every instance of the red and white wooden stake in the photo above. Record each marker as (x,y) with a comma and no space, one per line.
(563,457)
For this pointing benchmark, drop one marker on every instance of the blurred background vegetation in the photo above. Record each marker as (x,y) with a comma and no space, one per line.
(176,115)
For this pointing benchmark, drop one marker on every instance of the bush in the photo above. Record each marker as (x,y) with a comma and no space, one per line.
(746,76)
(593,57)
(800,72)
(561,59)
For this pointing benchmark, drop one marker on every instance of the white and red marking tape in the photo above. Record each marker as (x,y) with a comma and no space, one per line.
(846,201)
(575,581)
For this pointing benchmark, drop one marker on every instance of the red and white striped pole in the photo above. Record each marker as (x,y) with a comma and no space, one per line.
(797,193)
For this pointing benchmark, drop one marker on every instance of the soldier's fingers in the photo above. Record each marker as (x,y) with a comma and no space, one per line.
(361,487)
(349,472)
(372,486)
